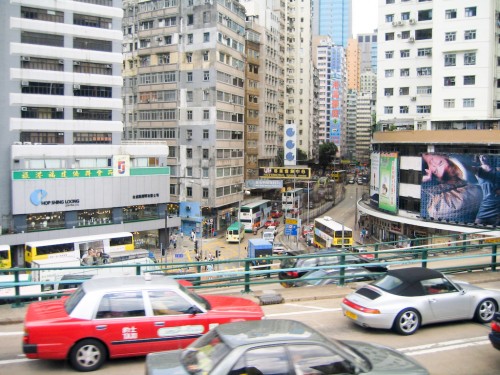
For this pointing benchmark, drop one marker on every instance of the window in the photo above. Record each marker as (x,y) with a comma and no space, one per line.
(42,39)
(389,73)
(389,54)
(173,189)
(121,305)
(404,72)
(146,25)
(206,114)
(469,34)
(449,81)
(205,153)
(164,58)
(405,16)
(205,55)
(423,109)
(42,14)
(404,53)
(423,34)
(189,172)
(389,36)
(206,37)
(251,361)
(405,34)
(206,94)
(470,12)
(206,76)
(189,57)
(449,103)
(190,39)
(389,92)
(469,80)
(404,91)
(205,134)
(389,17)
(450,36)
(167,302)
(388,110)
(470,58)
(189,153)
(425,15)
(450,14)
(425,71)
(189,134)
(92,91)
(189,96)
(205,193)
(206,17)
(190,19)
(450,59)
(189,191)
(168,39)
(93,44)
(468,102)
(424,52)
(424,90)
(42,88)
(404,109)
(190,76)
(189,115)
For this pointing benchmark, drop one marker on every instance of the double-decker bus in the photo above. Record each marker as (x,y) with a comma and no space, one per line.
(292,199)
(76,247)
(5,257)
(339,176)
(254,215)
(329,233)
(235,232)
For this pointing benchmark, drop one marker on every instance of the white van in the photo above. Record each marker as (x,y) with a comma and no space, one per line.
(268,235)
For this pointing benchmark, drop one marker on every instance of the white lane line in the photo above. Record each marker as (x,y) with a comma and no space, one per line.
(18,333)
(11,361)
(445,345)
(303,312)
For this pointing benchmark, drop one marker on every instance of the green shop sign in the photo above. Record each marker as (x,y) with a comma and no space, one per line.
(85,173)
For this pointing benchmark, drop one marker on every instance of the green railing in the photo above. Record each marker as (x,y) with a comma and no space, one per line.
(461,256)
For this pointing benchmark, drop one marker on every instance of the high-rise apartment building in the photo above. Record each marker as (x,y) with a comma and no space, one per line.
(367,44)
(65,171)
(435,166)
(190,92)
(334,19)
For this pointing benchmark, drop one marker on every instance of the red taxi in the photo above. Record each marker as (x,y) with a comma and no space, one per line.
(271,223)
(118,317)
(276,214)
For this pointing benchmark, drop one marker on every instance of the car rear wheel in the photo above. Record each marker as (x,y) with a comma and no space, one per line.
(87,355)
(485,311)
(407,322)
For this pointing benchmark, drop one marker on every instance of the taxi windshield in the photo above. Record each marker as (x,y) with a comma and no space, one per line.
(196,297)
(204,354)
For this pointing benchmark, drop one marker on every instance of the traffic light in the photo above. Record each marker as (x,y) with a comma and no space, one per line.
(196,246)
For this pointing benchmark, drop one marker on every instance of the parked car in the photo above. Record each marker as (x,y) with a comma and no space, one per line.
(331,276)
(125,316)
(494,335)
(404,299)
(276,214)
(327,257)
(274,346)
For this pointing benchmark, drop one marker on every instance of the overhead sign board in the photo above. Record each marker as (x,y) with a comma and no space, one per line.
(263,184)
(285,173)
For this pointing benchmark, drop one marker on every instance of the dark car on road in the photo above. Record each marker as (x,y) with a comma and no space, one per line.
(495,331)
(303,262)
(332,276)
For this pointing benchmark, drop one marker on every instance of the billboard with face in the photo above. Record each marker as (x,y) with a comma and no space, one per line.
(461,188)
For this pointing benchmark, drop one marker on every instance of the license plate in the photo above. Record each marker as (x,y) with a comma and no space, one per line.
(351,315)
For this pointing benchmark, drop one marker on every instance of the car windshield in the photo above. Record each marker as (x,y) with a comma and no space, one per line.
(74,299)
(199,299)
(204,354)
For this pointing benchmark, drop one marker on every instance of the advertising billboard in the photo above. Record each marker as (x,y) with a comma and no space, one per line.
(374,178)
(388,182)
(290,144)
(463,188)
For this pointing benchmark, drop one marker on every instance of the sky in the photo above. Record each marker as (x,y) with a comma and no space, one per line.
(364,18)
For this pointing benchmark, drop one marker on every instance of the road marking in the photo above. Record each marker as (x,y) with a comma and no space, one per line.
(445,345)
(17,333)
(319,310)
(11,361)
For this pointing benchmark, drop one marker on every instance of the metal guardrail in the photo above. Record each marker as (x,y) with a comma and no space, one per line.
(257,271)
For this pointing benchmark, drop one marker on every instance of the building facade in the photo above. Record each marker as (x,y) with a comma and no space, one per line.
(334,19)
(66,172)
(435,162)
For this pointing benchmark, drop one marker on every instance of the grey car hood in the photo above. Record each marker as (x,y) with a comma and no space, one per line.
(165,363)
(387,361)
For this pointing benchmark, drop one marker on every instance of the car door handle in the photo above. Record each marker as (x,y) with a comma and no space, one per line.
(101,327)
(159,324)
(432,300)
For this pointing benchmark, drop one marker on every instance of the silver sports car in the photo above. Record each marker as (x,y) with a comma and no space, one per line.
(405,299)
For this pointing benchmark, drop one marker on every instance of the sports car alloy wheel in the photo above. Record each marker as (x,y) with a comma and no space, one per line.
(407,322)
(485,311)
(87,355)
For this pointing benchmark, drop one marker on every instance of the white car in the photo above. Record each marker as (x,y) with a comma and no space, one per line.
(404,299)
(278,248)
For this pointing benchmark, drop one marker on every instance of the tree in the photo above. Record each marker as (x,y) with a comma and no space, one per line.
(327,154)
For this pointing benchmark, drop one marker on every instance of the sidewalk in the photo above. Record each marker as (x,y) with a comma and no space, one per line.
(14,315)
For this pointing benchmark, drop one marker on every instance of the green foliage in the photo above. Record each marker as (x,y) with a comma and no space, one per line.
(327,154)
